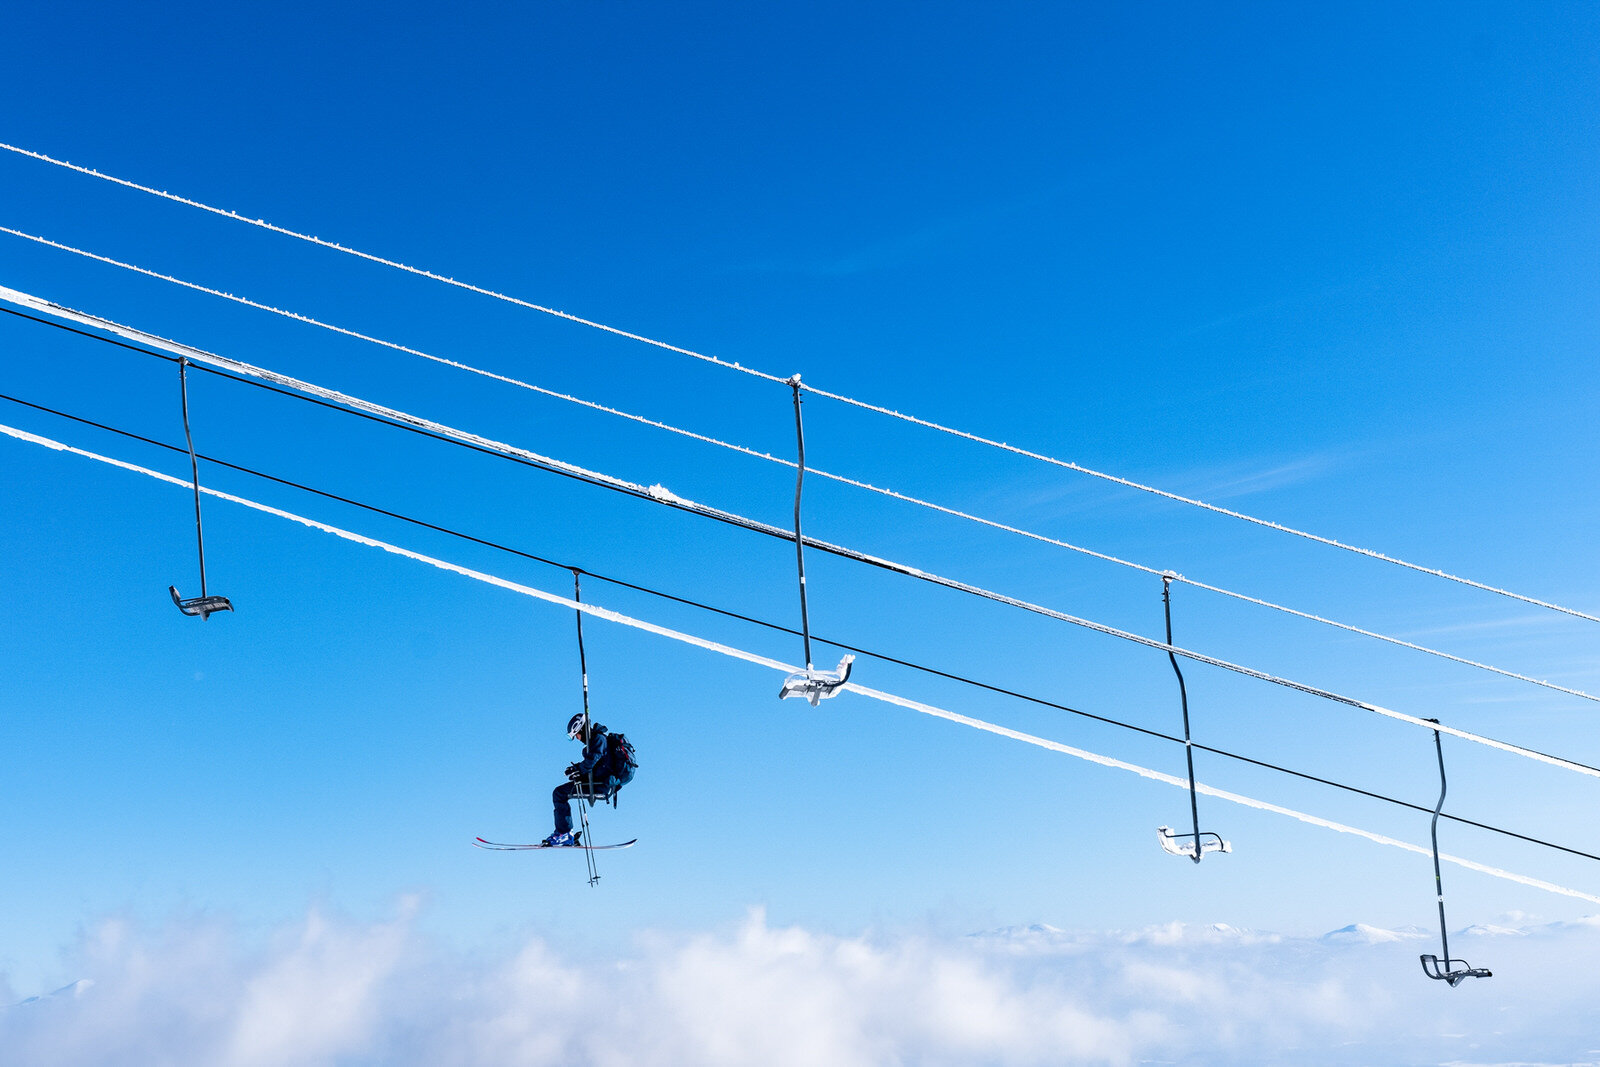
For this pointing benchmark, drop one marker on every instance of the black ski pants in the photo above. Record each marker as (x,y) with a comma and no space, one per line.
(563,796)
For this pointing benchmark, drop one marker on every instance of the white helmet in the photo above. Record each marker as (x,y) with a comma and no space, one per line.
(576,726)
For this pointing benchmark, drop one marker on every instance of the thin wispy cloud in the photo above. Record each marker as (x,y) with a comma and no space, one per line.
(329,990)
(1236,480)
(1530,621)
(1070,495)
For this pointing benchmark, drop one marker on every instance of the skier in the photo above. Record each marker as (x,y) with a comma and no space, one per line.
(607,765)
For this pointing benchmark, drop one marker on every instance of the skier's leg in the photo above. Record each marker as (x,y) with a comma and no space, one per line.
(562,796)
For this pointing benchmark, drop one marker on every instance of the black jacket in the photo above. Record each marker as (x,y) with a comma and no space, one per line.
(593,764)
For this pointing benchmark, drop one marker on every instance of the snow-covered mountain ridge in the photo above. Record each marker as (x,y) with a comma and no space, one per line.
(1040,934)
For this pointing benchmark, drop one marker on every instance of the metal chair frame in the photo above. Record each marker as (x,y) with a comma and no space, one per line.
(1442,968)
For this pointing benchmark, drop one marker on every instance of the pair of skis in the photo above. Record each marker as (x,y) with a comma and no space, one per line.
(500,846)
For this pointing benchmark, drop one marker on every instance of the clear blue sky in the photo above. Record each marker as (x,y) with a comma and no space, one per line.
(1335,268)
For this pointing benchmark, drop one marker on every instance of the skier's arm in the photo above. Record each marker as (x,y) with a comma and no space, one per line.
(593,753)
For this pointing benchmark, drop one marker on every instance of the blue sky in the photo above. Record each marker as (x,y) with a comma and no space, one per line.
(1333,268)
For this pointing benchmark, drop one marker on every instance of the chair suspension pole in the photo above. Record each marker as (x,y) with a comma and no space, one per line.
(194,470)
(814,685)
(588,779)
(799,543)
(1452,972)
(583,663)
(1438,880)
(205,604)
(1183,697)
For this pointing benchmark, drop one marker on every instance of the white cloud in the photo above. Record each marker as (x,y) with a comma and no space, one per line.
(329,990)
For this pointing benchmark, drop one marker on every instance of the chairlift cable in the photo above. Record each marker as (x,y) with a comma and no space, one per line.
(733,519)
(779,627)
(410,351)
(914,420)
(765,661)
(645,589)
(744,450)
(338,401)
(842,479)
(419,272)
(1193,502)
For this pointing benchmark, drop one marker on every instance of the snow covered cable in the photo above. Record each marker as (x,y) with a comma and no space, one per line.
(1399,641)
(456,364)
(662,495)
(504,583)
(764,661)
(419,272)
(742,449)
(1269,524)
(1210,791)
(977,438)
(196,355)
(858,650)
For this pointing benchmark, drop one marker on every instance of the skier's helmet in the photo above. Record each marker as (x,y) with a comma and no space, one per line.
(575,726)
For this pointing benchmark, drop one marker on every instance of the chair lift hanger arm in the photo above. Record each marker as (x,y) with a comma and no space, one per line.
(1199,845)
(1441,967)
(203,605)
(810,684)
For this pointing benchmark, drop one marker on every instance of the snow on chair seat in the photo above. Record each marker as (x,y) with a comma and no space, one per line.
(817,686)
(1445,971)
(1170,839)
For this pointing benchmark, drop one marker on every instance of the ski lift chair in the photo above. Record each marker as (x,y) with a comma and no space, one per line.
(1442,968)
(202,606)
(1170,842)
(1446,970)
(817,686)
(595,792)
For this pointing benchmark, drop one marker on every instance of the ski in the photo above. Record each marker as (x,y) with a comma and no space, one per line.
(503,847)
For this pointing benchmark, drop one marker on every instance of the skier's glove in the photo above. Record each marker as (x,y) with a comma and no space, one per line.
(574,772)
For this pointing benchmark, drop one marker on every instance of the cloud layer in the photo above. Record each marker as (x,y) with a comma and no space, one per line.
(334,991)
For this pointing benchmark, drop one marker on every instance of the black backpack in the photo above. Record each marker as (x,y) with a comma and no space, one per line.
(623,761)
